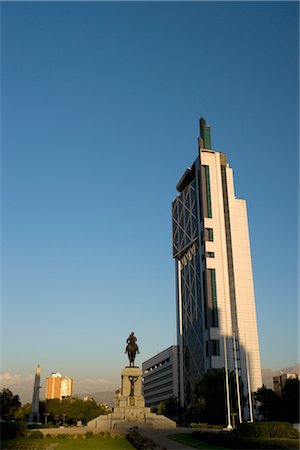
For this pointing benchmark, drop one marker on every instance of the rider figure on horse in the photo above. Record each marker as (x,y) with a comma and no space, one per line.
(131,348)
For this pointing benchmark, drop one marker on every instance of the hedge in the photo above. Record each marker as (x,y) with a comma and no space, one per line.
(231,439)
(275,443)
(266,430)
(140,442)
(10,430)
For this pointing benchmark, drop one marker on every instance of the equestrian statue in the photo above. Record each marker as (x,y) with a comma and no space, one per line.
(131,349)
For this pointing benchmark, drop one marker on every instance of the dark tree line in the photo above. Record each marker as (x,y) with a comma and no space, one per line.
(71,410)
(209,403)
(57,412)
(208,406)
(9,404)
(274,407)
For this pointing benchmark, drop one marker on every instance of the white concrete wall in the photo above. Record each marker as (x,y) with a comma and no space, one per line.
(219,262)
(244,289)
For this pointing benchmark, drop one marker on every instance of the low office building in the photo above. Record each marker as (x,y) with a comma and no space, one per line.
(280,380)
(160,376)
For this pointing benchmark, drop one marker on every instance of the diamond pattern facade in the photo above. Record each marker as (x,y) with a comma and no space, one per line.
(186,251)
(184,213)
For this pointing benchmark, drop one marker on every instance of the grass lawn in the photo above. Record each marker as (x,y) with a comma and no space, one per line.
(89,444)
(187,439)
(67,444)
(95,444)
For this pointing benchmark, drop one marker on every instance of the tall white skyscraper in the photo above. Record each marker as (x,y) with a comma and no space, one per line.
(216,312)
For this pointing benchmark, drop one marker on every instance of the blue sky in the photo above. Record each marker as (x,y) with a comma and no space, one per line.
(100,110)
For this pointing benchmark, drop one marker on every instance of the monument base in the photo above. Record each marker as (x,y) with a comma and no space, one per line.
(130,410)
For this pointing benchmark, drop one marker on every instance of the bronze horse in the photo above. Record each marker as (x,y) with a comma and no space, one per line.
(131,349)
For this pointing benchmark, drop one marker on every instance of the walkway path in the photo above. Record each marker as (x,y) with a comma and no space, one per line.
(160,438)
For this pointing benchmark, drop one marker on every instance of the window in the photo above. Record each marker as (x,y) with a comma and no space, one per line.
(215,347)
(210,293)
(206,192)
(204,281)
(209,234)
(210,254)
(207,177)
(214,298)
(212,347)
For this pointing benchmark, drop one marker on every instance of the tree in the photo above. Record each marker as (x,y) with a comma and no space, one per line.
(269,404)
(9,404)
(161,408)
(209,404)
(210,394)
(52,407)
(23,412)
(168,408)
(195,412)
(70,410)
(172,408)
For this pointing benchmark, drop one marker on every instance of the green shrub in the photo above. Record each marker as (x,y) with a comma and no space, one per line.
(206,426)
(275,443)
(89,435)
(265,430)
(24,444)
(63,436)
(10,430)
(102,435)
(36,434)
(107,435)
(140,442)
(232,440)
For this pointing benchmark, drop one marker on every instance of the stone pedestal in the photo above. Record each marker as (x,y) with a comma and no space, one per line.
(129,409)
(131,403)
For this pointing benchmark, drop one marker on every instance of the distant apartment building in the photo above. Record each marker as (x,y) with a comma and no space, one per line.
(66,387)
(160,376)
(280,380)
(216,313)
(58,386)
